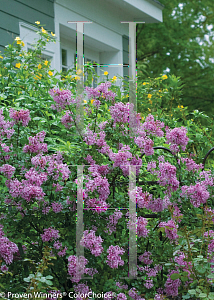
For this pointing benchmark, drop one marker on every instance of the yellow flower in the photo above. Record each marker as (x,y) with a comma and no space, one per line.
(178,106)
(159,91)
(144,83)
(114,78)
(192,120)
(142,118)
(79,71)
(40,74)
(85,101)
(17,38)
(0,75)
(39,66)
(106,73)
(149,96)
(149,109)
(164,77)
(23,44)
(171,115)
(182,106)
(53,34)
(46,62)
(108,109)
(37,22)
(77,77)
(1,57)
(50,73)
(18,42)
(43,30)
(47,40)
(92,100)
(18,65)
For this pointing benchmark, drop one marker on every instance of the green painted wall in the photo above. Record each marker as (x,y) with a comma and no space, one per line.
(14,11)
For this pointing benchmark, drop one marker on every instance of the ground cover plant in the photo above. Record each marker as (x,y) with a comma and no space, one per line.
(40,149)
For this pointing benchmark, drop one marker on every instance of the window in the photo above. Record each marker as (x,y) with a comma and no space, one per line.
(64,60)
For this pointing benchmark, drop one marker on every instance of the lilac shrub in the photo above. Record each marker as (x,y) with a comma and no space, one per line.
(39,200)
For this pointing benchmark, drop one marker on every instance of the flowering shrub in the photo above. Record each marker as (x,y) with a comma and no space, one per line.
(40,182)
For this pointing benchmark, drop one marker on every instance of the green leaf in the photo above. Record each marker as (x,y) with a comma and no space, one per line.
(184,278)
(202,295)
(175,276)
(192,292)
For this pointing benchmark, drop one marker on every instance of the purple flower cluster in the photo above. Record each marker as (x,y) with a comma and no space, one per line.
(91,242)
(145,257)
(124,158)
(146,200)
(150,272)
(113,220)
(20,116)
(7,170)
(207,176)
(153,127)
(141,227)
(5,127)
(67,120)
(177,137)
(145,144)
(76,267)
(143,198)
(170,229)
(97,183)
(50,234)
(198,193)
(7,248)
(101,91)
(120,112)
(57,207)
(171,286)
(114,260)
(81,288)
(133,294)
(191,165)
(24,190)
(62,99)
(36,144)
(125,286)
(121,296)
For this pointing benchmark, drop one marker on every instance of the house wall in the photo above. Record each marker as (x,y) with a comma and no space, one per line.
(103,39)
(28,11)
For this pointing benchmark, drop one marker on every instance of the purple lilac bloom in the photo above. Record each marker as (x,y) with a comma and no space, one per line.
(171,233)
(177,137)
(114,260)
(7,170)
(62,99)
(198,193)
(92,242)
(7,248)
(20,116)
(50,234)
(76,267)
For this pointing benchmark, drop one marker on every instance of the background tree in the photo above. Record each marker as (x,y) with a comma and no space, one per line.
(183,43)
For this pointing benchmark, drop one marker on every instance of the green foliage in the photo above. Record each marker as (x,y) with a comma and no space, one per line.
(182,43)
